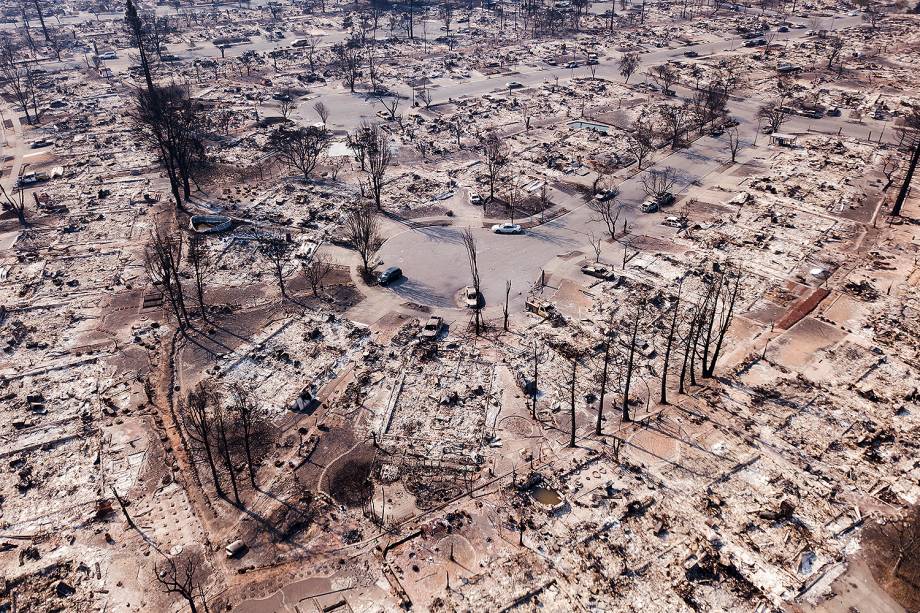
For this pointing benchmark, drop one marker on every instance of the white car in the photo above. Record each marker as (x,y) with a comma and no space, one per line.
(514,85)
(470,297)
(475,198)
(507,228)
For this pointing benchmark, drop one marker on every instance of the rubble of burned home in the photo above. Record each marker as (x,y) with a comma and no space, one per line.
(459,306)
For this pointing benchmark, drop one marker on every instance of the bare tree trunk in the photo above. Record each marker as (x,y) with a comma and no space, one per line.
(905,187)
(224,447)
(629,364)
(534,410)
(507,295)
(470,243)
(600,405)
(725,322)
(124,508)
(714,292)
(688,346)
(667,351)
(572,400)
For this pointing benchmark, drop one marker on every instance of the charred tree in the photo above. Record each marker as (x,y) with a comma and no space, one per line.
(469,242)
(276,250)
(162,259)
(225,446)
(667,350)
(137,30)
(200,262)
(574,360)
(630,363)
(198,419)
(726,312)
(598,429)
(362,230)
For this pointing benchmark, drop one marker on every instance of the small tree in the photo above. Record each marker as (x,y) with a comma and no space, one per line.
(469,242)
(629,62)
(607,210)
(675,119)
(322,111)
(183,574)
(300,148)
(726,300)
(734,142)
(659,181)
(379,158)
(598,429)
(285,106)
(312,44)
(665,76)
(362,230)
(277,250)
(348,56)
(834,48)
(773,114)
(19,80)
(496,153)
(390,103)
(641,142)
(317,270)
(17,204)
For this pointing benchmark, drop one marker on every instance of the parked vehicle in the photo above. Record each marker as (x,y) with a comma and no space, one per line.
(475,198)
(470,297)
(673,222)
(665,199)
(514,85)
(507,228)
(389,275)
(598,271)
(432,328)
(649,206)
(541,308)
(605,195)
(236,549)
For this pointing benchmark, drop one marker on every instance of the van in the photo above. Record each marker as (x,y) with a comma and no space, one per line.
(389,275)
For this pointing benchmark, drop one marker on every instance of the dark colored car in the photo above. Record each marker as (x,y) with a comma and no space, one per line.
(389,275)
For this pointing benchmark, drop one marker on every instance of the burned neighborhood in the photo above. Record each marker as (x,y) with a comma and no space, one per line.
(460,305)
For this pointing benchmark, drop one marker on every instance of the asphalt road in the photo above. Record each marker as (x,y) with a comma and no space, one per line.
(435,263)
(434,259)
